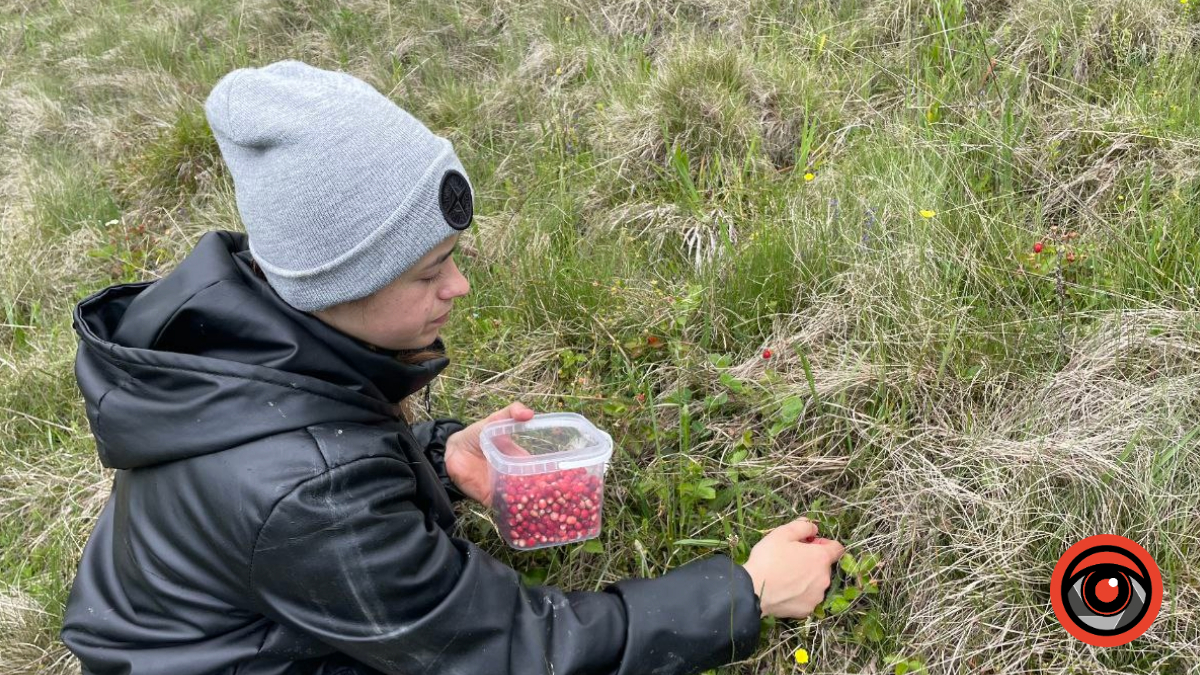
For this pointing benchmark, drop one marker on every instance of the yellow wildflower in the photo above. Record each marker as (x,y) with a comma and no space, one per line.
(558,71)
(801,656)
(809,176)
(926,213)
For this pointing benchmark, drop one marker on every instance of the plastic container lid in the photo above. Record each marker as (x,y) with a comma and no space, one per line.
(554,441)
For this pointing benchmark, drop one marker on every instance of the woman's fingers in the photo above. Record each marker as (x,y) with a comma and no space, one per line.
(520,411)
(835,549)
(797,530)
(516,411)
(506,446)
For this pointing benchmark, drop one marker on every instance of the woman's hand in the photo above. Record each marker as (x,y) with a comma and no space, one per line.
(465,463)
(790,568)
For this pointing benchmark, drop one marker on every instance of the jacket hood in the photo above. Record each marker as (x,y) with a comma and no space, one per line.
(209,357)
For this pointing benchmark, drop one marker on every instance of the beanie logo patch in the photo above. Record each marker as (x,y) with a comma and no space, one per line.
(455,200)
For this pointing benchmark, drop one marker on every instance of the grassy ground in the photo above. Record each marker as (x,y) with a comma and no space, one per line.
(666,189)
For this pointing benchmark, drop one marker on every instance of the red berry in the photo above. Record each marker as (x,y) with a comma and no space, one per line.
(1037,248)
(766,353)
(561,507)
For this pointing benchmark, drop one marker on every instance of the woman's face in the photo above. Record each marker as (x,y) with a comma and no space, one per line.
(408,313)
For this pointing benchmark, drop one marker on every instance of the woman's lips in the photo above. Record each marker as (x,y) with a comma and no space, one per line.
(441,319)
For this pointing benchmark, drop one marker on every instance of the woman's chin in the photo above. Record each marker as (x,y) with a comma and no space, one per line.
(421,342)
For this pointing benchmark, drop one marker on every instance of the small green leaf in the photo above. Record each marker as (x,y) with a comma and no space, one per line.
(848,563)
(534,577)
(934,113)
(901,668)
(839,605)
(732,383)
(678,396)
(871,627)
(738,457)
(790,409)
(593,546)
(868,563)
(850,593)
(871,588)
(720,360)
(712,403)
(614,409)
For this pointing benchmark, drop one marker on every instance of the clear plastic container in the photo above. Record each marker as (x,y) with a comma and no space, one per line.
(547,478)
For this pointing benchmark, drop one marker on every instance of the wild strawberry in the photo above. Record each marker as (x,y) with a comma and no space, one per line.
(766,353)
(1037,248)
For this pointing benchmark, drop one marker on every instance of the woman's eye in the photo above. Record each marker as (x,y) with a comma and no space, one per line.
(441,270)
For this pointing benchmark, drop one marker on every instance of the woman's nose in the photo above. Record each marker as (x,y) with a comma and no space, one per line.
(460,286)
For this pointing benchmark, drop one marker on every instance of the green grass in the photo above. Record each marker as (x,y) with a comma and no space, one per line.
(664,190)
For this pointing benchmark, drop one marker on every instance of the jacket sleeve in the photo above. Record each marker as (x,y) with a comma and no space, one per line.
(431,435)
(348,558)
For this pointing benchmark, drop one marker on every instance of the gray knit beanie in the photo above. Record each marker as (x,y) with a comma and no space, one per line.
(339,189)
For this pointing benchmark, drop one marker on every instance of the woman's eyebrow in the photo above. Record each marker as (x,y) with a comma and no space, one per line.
(442,259)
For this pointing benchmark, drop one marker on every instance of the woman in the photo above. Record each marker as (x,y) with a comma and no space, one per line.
(273,511)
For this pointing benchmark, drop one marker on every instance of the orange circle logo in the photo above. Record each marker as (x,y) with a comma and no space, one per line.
(1106,590)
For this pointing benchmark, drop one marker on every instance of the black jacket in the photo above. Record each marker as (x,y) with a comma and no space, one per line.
(271,514)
